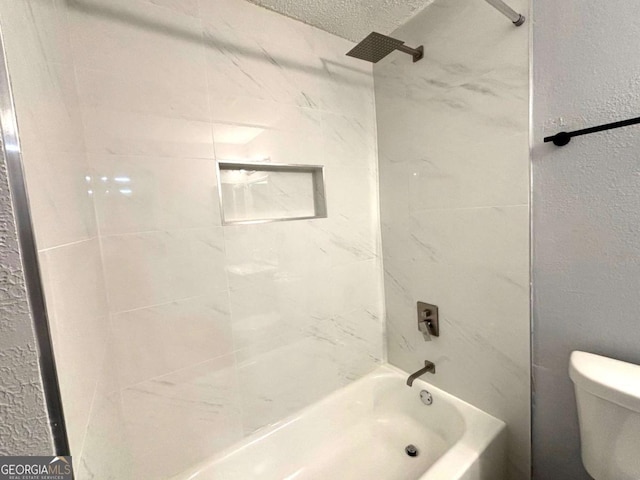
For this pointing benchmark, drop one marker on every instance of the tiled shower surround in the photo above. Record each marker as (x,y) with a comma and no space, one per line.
(175,336)
(454,160)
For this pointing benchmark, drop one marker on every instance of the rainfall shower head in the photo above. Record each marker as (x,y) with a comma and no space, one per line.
(377,46)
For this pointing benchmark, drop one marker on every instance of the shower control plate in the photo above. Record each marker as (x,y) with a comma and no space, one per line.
(428,320)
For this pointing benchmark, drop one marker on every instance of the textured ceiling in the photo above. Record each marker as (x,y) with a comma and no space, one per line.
(350,19)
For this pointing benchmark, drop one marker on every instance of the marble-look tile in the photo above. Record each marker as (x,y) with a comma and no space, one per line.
(190,413)
(155,341)
(447,62)
(458,120)
(267,114)
(272,386)
(152,268)
(198,314)
(36,32)
(349,88)
(305,249)
(47,107)
(74,281)
(239,66)
(252,254)
(136,38)
(359,330)
(123,133)
(257,144)
(75,295)
(106,453)
(352,192)
(60,196)
(349,141)
(492,174)
(153,94)
(144,193)
(285,304)
(453,150)
(357,287)
(479,252)
(347,240)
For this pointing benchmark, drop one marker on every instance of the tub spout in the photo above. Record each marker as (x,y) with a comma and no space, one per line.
(428,367)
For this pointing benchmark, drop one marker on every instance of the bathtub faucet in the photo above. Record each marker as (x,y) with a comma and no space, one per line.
(428,367)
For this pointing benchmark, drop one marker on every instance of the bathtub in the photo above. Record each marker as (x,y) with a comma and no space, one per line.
(361,431)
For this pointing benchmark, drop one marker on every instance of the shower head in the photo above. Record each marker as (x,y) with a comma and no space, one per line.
(377,46)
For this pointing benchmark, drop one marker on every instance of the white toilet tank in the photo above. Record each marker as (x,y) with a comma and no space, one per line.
(608,398)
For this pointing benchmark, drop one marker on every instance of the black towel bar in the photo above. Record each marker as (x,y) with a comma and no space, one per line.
(562,138)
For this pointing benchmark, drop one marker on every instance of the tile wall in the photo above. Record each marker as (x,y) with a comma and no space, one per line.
(175,334)
(454,186)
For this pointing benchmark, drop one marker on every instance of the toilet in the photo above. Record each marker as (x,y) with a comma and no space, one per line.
(608,399)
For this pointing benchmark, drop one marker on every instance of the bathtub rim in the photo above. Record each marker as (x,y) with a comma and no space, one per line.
(480,432)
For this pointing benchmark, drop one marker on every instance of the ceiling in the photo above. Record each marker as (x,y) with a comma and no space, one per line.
(350,19)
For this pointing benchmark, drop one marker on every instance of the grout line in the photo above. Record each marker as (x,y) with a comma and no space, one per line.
(74,70)
(483,207)
(172,372)
(167,230)
(168,302)
(77,242)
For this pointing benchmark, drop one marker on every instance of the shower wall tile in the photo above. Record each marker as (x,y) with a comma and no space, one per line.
(173,333)
(454,184)
(78,314)
(268,114)
(51,135)
(248,143)
(272,386)
(77,266)
(349,141)
(52,139)
(349,190)
(36,32)
(107,453)
(49,110)
(128,133)
(155,341)
(60,195)
(190,413)
(135,38)
(152,94)
(152,268)
(150,193)
(258,313)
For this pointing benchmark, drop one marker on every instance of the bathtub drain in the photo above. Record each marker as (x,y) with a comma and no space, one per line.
(411,450)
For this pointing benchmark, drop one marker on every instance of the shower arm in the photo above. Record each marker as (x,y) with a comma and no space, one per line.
(507,11)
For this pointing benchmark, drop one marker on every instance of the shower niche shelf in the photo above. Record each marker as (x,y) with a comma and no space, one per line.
(255,192)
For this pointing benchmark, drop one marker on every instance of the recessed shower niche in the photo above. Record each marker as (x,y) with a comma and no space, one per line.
(264,192)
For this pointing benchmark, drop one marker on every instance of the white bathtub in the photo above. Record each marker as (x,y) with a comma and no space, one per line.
(361,431)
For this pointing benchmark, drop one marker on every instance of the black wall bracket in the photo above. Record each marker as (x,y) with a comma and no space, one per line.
(562,138)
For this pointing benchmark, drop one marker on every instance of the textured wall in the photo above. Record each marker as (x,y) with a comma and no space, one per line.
(453,150)
(586,209)
(346,18)
(173,333)
(24,423)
